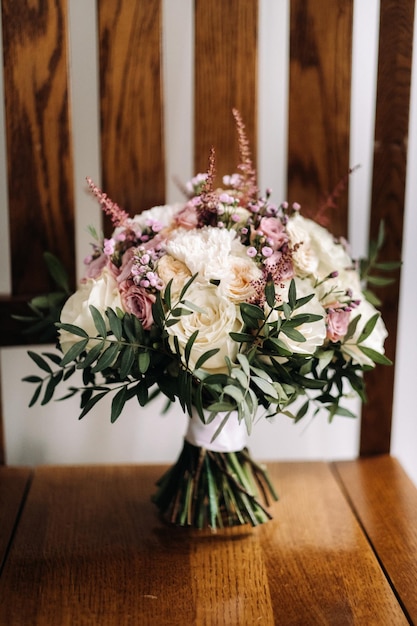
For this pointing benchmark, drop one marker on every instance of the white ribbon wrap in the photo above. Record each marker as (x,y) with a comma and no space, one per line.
(232,438)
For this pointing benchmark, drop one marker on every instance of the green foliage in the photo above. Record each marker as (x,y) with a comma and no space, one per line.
(369,266)
(128,362)
(46,308)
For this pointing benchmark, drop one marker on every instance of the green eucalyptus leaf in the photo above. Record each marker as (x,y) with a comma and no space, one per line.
(368,328)
(167,294)
(107,358)
(205,357)
(115,323)
(301,411)
(142,393)
(351,328)
(292,295)
(92,402)
(287,310)
(98,320)
(127,358)
(265,386)
(35,396)
(242,337)
(244,363)
(303,301)
(118,404)
(74,330)
(187,286)
(74,352)
(380,281)
(57,272)
(144,361)
(277,346)
(293,333)
(32,379)
(376,357)
(189,346)
(40,361)
(91,355)
(270,293)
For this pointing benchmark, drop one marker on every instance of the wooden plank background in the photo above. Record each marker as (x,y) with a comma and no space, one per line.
(38,126)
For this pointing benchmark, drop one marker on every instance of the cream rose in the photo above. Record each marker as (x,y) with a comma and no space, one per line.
(220,317)
(318,253)
(169,268)
(101,293)
(239,286)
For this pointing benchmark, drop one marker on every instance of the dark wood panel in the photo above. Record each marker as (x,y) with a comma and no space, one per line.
(225,78)
(39,152)
(385,500)
(388,195)
(319,106)
(131,107)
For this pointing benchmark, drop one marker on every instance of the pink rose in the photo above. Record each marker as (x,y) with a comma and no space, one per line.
(337,324)
(125,269)
(138,302)
(274,231)
(187,217)
(96,266)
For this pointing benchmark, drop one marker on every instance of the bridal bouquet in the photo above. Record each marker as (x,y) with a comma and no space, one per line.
(229,304)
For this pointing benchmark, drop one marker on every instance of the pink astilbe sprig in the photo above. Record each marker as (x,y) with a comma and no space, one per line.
(248,185)
(329,203)
(118,216)
(207,207)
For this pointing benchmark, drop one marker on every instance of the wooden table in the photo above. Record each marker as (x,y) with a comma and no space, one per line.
(84,545)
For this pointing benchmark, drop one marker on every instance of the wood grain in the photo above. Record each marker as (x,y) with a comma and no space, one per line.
(90,548)
(13,485)
(39,151)
(388,197)
(225,77)
(319,106)
(320,568)
(131,103)
(386,504)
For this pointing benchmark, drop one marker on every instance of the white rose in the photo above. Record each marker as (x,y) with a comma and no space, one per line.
(335,290)
(314,332)
(318,253)
(101,293)
(220,317)
(375,341)
(164,214)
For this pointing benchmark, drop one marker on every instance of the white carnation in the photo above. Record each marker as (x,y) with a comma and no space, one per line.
(205,251)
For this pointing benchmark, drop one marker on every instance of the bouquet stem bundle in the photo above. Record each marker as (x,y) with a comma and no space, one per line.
(205,488)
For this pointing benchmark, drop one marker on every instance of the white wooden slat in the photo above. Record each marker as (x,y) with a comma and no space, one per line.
(84,97)
(178,90)
(364,79)
(273,84)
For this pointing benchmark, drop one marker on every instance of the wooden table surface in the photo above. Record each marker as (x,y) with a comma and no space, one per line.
(84,545)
